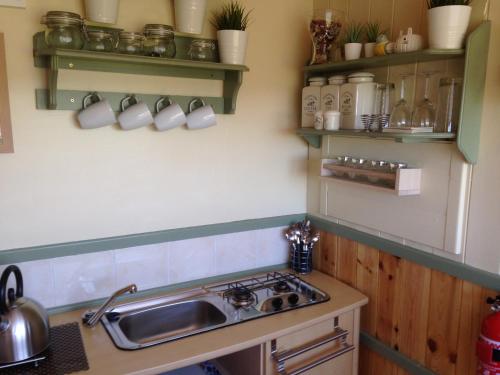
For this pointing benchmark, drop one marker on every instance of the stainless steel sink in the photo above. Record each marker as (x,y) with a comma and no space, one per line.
(141,324)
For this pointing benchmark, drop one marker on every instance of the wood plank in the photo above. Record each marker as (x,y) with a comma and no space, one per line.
(328,251)
(358,11)
(407,13)
(382,11)
(387,307)
(444,320)
(411,328)
(367,283)
(6,141)
(347,261)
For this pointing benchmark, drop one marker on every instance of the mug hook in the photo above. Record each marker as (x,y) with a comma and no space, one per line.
(160,101)
(127,100)
(91,97)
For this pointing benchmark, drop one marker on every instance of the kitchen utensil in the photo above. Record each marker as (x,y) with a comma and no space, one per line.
(202,117)
(24,323)
(96,112)
(301,242)
(385,103)
(424,114)
(332,120)
(450,95)
(169,117)
(159,41)
(134,115)
(401,113)
(64,30)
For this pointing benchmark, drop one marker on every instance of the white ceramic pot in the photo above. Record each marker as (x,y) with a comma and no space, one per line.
(448,25)
(352,51)
(369,49)
(103,11)
(190,15)
(232,46)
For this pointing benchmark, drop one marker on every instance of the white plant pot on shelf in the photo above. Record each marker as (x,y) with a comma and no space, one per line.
(369,49)
(352,51)
(232,46)
(190,15)
(103,11)
(448,25)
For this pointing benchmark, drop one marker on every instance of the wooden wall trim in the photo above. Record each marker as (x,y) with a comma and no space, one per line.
(459,270)
(6,142)
(394,356)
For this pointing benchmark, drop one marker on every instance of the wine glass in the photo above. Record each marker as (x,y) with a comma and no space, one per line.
(401,113)
(424,114)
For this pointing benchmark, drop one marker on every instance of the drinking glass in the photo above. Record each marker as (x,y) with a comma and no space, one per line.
(401,113)
(424,114)
(449,105)
(384,104)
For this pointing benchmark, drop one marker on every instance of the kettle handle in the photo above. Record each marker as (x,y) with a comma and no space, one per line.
(3,286)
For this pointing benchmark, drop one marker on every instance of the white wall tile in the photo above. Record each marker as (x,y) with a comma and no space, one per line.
(146,266)
(272,247)
(84,277)
(235,252)
(191,259)
(38,281)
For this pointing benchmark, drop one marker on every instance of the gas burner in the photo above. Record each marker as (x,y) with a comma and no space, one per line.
(241,297)
(281,287)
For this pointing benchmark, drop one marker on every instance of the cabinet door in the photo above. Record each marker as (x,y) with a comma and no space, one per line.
(310,348)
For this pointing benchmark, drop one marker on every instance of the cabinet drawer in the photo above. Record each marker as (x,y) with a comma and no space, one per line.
(324,348)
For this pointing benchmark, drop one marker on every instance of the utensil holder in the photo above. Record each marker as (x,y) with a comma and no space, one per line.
(301,259)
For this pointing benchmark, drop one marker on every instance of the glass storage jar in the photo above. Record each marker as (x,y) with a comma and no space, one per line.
(131,43)
(159,41)
(99,41)
(64,30)
(202,50)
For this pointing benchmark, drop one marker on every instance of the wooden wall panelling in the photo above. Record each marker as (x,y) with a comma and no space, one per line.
(367,283)
(347,261)
(388,285)
(372,363)
(6,144)
(382,11)
(359,10)
(413,303)
(443,325)
(407,13)
(328,253)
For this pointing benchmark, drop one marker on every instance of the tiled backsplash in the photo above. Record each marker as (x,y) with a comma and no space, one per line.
(66,280)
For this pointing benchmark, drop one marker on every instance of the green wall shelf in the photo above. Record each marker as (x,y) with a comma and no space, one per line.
(469,128)
(56,59)
(314,137)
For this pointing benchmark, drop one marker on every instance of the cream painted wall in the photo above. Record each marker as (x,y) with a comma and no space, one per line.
(66,184)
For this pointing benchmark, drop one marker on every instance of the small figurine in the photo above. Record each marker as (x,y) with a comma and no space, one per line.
(383,46)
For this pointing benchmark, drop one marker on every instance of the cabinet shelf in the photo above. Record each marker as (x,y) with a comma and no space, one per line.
(314,137)
(469,125)
(56,59)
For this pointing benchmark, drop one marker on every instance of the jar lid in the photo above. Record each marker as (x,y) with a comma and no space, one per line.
(317,80)
(203,43)
(129,35)
(337,80)
(360,77)
(57,17)
(156,29)
(99,34)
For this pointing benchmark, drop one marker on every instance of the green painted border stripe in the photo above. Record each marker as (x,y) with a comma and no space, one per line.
(392,355)
(120,242)
(167,289)
(459,270)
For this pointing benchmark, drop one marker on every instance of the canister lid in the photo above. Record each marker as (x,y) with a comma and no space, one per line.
(317,81)
(57,17)
(203,43)
(156,29)
(128,35)
(361,77)
(337,80)
(99,34)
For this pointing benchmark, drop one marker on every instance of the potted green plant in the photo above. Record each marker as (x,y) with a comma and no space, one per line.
(448,22)
(372,33)
(231,22)
(352,41)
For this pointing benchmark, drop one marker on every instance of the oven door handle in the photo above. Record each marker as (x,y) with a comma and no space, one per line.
(281,357)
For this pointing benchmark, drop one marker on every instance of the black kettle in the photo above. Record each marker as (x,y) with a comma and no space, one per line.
(24,323)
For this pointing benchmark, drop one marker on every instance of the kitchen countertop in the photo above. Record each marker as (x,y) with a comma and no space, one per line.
(104,357)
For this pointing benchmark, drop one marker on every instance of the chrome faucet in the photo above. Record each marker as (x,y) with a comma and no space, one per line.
(91,318)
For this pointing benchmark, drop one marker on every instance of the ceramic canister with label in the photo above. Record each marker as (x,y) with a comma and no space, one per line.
(357,99)
(311,100)
(330,94)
